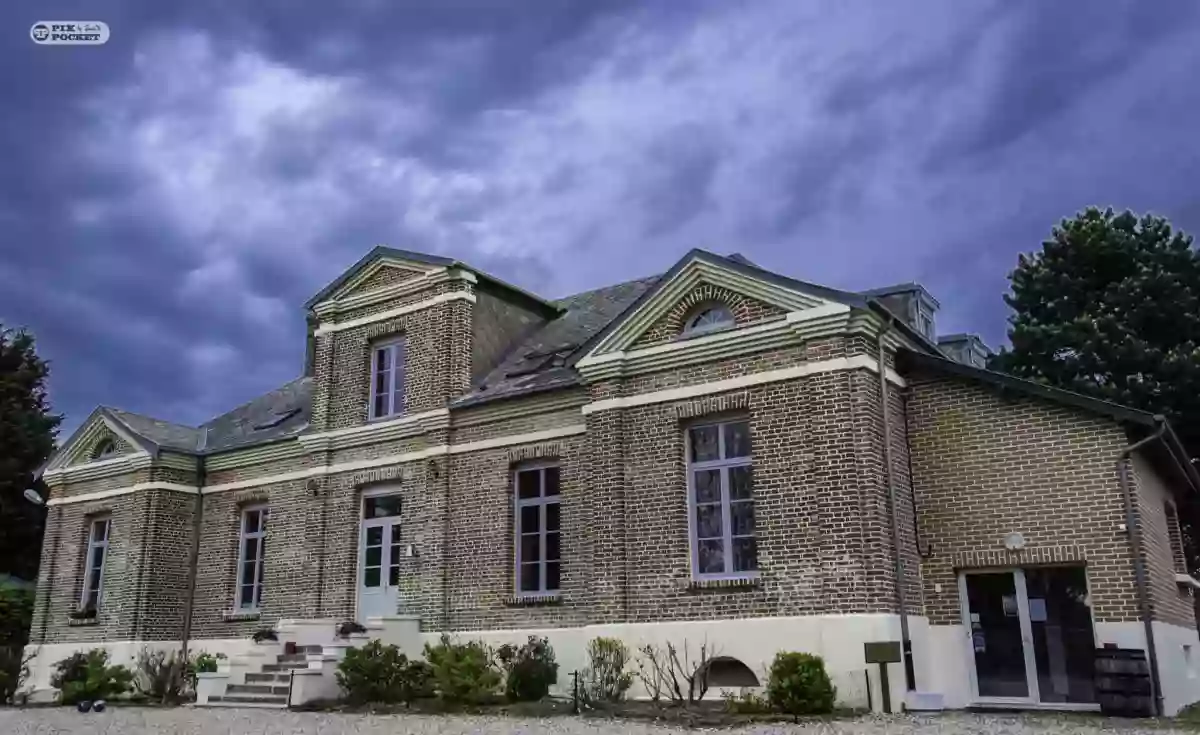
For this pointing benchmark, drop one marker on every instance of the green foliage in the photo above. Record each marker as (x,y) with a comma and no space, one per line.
(161,675)
(798,684)
(205,662)
(16,613)
(746,702)
(26,441)
(463,672)
(606,678)
(88,677)
(530,670)
(379,673)
(14,668)
(1110,307)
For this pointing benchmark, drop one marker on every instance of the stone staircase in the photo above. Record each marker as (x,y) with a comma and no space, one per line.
(268,687)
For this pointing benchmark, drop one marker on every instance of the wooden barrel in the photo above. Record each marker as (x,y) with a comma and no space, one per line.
(1123,682)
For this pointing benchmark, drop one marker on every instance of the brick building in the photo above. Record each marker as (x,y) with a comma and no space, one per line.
(718,454)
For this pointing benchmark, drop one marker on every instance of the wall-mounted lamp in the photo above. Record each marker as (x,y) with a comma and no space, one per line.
(32,496)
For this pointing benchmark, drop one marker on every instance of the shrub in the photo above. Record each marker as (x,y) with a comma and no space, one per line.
(747,702)
(379,673)
(161,676)
(16,612)
(88,677)
(264,634)
(530,670)
(798,684)
(463,672)
(205,662)
(605,679)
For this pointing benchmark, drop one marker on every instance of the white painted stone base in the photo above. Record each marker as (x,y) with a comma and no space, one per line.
(753,641)
(1177,647)
(124,653)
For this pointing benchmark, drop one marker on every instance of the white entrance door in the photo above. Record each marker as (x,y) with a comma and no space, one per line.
(379,554)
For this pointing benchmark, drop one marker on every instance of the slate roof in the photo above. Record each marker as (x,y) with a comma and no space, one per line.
(160,433)
(539,362)
(278,414)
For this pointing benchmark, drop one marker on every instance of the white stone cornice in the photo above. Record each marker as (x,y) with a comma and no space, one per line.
(100,468)
(331,327)
(381,431)
(119,491)
(234,458)
(859,362)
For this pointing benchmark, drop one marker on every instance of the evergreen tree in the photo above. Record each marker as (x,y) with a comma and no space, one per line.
(1110,308)
(27,435)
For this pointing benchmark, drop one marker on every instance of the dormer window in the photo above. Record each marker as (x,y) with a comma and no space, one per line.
(925,323)
(105,449)
(708,319)
(387,379)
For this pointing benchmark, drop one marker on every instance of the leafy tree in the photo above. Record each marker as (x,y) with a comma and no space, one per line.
(27,433)
(1110,308)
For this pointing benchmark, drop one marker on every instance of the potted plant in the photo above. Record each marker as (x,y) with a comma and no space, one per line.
(349,628)
(265,635)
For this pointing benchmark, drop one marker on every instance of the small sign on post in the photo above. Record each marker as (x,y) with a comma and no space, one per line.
(883,653)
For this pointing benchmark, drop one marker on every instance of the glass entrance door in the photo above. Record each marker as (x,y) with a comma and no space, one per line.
(1030,635)
(379,555)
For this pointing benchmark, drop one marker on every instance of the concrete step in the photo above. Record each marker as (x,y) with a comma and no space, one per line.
(285,666)
(276,689)
(268,677)
(262,700)
(259,704)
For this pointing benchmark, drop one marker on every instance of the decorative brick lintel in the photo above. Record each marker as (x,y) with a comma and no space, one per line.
(232,616)
(725,584)
(395,473)
(1021,557)
(711,404)
(81,622)
(533,600)
(546,450)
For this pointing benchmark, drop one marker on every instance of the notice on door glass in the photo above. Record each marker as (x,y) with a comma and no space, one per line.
(1037,610)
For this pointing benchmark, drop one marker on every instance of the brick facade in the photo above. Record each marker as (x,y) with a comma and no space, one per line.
(969,466)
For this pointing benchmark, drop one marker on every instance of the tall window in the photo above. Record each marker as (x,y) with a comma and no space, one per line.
(537,530)
(93,573)
(387,379)
(251,551)
(721,501)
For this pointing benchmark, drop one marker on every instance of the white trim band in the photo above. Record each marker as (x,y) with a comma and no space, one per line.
(379,431)
(859,362)
(119,491)
(102,468)
(394,459)
(393,313)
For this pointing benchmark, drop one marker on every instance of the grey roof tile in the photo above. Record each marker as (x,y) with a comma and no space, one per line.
(161,433)
(278,414)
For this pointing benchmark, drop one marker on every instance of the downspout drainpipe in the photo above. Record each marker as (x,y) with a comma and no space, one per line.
(194,556)
(889,477)
(1139,564)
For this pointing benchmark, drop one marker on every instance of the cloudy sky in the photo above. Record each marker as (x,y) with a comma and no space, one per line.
(169,200)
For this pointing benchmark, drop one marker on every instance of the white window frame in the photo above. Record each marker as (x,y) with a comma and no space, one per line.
(90,572)
(259,585)
(397,351)
(690,328)
(542,502)
(724,465)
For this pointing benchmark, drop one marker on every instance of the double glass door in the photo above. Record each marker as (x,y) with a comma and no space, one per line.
(1030,635)
(379,556)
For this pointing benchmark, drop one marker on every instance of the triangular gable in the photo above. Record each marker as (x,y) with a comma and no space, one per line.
(381,267)
(697,269)
(99,425)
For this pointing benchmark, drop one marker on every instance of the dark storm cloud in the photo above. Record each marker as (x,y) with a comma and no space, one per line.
(169,200)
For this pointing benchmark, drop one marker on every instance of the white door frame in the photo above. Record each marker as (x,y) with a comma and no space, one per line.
(1022,592)
(360,555)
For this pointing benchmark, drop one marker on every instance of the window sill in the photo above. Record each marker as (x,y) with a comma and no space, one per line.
(534,600)
(234,616)
(81,622)
(724,584)
(1186,580)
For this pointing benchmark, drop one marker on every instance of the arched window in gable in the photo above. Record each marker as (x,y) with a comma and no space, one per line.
(708,318)
(105,448)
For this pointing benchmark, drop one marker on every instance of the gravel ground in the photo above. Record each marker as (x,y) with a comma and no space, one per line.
(190,721)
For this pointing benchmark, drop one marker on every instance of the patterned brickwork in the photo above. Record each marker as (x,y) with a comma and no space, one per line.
(388,275)
(670,326)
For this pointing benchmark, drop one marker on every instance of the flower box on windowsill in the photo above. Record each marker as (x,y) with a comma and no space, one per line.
(74,622)
(724,584)
(533,600)
(234,616)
